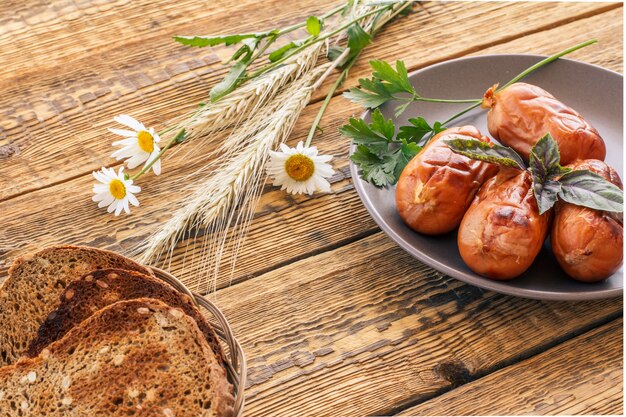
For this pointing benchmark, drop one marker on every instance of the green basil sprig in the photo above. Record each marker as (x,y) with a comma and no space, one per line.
(551,181)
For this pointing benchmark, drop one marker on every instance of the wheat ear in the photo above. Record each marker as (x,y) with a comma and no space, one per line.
(226,198)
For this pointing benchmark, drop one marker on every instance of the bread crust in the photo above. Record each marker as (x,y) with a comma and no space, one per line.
(139,357)
(100,288)
(34,285)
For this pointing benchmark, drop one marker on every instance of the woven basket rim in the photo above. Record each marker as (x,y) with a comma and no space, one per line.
(236,366)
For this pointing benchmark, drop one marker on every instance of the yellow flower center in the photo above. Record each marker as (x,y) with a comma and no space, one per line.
(145,141)
(299,167)
(117,189)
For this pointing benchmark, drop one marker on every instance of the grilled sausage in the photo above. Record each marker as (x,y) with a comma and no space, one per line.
(521,114)
(588,243)
(502,231)
(437,185)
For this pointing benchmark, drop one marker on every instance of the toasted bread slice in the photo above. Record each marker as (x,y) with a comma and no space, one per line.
(34,286)
(138,357)
(98,289)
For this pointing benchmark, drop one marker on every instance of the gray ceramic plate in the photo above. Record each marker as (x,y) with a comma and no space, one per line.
(593,91)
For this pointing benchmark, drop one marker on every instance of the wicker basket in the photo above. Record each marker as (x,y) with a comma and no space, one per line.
(235,359)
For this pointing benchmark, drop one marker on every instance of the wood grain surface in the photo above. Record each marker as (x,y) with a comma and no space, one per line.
(334,318)
(563,380)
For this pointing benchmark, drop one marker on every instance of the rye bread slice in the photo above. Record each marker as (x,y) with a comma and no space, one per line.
(34,285)
(138,357)
(98,289)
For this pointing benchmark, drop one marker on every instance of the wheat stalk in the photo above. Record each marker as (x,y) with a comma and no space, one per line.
(226,198)
(224,192)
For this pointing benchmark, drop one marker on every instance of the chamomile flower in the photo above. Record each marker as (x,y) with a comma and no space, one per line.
(139,145)
(114,191)
(300,169)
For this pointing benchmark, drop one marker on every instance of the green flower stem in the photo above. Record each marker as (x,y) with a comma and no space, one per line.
(437,100)
(462,112)
(297,26)
(313,41)
(178,138)
(525,73)
(329,96)
(547,61)
(344,73)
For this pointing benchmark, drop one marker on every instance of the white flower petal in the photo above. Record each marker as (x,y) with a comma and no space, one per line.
(322,158)
(321,184)
(125,142)
(133,200)
(122,154)
(129,121)
(157,167)
(133,189)
(120,207)
(126,208)
(107,201)
(112,206)
(123,132)
(137,160)
(155,135)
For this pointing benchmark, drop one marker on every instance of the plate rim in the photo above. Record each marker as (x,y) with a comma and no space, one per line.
(485,283)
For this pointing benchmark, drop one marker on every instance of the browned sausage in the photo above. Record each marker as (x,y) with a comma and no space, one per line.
(521,114)
(437,185)
(588,243)
(502,231)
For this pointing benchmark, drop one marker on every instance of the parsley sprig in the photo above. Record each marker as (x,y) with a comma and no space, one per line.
(380,155)
(388,84)
(381,164)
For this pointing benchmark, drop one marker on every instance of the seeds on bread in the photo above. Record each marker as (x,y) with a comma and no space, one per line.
(138,357)
(35,284)
(98,289)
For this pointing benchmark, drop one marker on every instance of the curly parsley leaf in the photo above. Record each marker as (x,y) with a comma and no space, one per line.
(396,81)
(374,169)
(418,130)
(382,87)
(379,156)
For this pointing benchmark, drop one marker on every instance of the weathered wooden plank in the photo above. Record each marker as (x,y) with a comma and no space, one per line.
(365,329)
(302,225)
(52,125)
(581,376)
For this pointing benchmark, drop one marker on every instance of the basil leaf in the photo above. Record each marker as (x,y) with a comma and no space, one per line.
(483,151)
(314,25)
(201,41)
(229,83)
(547,150)
(546,194)
(587,189)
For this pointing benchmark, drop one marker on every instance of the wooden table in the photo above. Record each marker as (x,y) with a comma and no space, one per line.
(334,318)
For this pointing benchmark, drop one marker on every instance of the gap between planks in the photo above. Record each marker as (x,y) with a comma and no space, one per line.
(584,335)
